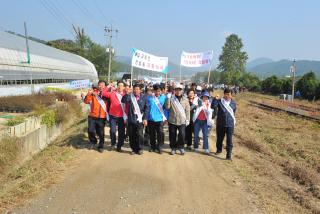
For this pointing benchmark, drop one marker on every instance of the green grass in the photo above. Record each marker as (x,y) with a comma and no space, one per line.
(15,121)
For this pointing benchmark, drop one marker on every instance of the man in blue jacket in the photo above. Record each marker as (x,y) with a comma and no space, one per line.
(225,109)
(137,110)
(156,119)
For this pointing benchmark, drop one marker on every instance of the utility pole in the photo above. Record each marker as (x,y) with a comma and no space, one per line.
(110,31)
(293,71)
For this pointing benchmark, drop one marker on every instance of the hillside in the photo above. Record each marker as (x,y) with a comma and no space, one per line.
(258,61)
(282,68)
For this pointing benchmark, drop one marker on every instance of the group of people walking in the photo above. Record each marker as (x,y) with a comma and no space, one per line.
(133,112)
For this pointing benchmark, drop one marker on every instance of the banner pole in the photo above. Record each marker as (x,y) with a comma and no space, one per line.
(209,74)
(180,72)
(210,70)
(131,76)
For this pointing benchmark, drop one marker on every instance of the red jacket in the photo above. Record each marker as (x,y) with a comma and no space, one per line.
(115,106)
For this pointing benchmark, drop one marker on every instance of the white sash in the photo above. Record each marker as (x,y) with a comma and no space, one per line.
(158,104)
(103,105)
(229,109)
(125,117)
(207,112)
(136,108)
(176,102)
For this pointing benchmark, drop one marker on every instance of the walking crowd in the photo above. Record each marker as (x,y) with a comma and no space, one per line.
(141,112)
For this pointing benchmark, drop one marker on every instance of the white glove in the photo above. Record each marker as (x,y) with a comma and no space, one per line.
(187,122)
(169,95)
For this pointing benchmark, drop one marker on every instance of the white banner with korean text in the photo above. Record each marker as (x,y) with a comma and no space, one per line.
(196,59)
(148,61)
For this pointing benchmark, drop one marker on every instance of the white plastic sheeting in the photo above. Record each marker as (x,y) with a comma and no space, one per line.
(46,62)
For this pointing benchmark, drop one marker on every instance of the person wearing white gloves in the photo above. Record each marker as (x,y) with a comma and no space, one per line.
(202,119)
(179,117)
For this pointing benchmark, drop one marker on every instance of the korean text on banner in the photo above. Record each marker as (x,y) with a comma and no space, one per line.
(148,61)
(196,59)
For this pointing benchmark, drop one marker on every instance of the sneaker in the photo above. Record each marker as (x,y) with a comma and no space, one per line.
(189,148)
(159,151)
(119,150)
(133,153)
(173,152)
(229,158)
(207,151)
(100,150)
(140,152)
(217,153)
(92,146)
(152,150)
(182,151)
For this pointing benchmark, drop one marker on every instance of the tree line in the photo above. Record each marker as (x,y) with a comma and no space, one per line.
(232,71)
(83,46)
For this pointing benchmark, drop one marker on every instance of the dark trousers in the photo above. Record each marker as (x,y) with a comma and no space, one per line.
(221,132)
(156,134)
(114,121)
(189,132)
(146,137)
(135,136)
(174,144)
(96,126)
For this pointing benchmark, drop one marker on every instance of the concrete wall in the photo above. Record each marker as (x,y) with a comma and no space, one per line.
(27,126)
(38,139)
(15,90)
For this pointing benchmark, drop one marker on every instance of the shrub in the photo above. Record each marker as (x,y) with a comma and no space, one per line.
(49,118)
(307,85)
(15,121)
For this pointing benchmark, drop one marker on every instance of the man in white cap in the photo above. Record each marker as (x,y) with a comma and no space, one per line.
(198,91)
(179,117)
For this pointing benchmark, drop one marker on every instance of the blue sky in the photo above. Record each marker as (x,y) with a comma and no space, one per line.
(275,29)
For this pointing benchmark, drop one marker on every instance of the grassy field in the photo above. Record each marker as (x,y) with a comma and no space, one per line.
(279,156)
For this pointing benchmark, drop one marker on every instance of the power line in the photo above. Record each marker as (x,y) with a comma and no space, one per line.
(87,13)
(110,31)
(99,10)
(56,16)
(60,10)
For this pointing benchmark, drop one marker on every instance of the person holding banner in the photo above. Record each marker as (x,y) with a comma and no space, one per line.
(137,109)
(179,117)
(97,117)
(202,119)
(117,115)
(156,119)
(225,109)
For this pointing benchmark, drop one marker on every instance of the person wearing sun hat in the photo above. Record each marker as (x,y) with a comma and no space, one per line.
(179,117)
(202,119)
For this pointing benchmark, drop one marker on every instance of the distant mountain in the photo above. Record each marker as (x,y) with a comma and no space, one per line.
(123,59)
(282,68)
(258,61)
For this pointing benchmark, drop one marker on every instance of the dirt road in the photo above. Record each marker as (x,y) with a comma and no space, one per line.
(122,183)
